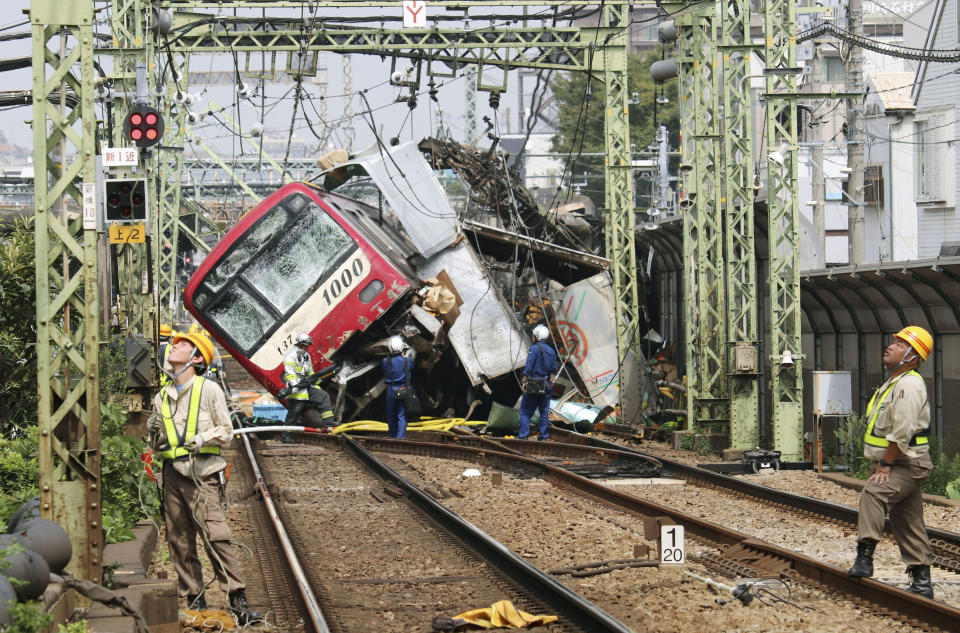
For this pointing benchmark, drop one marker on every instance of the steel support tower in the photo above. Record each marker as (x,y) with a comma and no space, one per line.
(786,379)
(64,146)
(704,271)
(743,340)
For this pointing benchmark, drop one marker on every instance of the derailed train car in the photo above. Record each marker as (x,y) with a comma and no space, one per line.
(346,260)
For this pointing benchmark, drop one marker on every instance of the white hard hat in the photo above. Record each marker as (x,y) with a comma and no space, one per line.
(541,333)
(396,344)
(304,339)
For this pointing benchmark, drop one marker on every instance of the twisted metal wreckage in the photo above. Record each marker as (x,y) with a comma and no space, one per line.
(504,281)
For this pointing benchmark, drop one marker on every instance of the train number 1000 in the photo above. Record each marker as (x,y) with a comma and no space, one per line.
(342,280)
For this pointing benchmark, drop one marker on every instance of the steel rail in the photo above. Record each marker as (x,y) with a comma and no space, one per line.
(907,605)
(314,614)
(574,608)
(827,509)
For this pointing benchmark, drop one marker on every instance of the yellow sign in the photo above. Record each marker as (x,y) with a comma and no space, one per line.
(127,234)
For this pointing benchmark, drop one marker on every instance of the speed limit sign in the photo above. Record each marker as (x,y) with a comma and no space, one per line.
(672,551)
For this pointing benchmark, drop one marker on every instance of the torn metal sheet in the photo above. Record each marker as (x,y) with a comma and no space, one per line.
(561,253)
(414,194)
(485,336)
(589,334)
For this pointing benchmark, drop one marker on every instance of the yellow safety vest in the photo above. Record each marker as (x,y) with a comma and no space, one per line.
(922,437)
(164,378)
(176,442)
(294,371)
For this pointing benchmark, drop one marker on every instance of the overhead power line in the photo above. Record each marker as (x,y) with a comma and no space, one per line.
(891,50)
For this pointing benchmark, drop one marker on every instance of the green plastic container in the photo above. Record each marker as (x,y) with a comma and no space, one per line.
(503,420)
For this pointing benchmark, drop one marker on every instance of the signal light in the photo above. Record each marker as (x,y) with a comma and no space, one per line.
(144,126)
(126,200)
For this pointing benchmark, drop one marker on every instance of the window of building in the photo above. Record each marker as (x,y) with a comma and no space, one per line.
(834,70)
(873,185)
(928,161)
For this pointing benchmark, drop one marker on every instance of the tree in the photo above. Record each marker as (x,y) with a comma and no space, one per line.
(18,329)
(580,121)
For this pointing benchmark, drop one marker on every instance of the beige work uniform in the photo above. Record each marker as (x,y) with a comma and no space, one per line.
(903,413)
(189,507)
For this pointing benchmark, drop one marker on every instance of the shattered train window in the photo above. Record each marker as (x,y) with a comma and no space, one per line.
(242,317)
(246,247)
(309,247)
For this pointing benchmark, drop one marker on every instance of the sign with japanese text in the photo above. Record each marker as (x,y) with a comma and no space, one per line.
(120,157)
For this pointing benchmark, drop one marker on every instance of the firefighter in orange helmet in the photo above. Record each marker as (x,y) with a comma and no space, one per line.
(897,443)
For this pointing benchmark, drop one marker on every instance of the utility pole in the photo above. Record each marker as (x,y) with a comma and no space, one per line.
(816,157)
(854,198)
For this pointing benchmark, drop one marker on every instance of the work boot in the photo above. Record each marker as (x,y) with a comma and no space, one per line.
(197,602)
(286,438)
(920,583)
(239,608)
(863,566)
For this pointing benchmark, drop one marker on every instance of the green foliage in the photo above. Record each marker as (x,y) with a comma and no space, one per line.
(127,491)
(73,627)
(851,436)
(946,470)
(18,471)
(18,330)
(944,477)
(28,617)
(580,118)
(953,489)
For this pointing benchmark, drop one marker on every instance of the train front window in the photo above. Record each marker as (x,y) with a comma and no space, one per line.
(243,316)
(268,273)
(309,246)
(246,247)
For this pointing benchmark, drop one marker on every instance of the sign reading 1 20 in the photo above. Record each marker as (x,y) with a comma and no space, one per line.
(341,281)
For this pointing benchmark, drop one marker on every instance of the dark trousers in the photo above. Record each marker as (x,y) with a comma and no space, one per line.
(528,404)
(396,414)
(295,410)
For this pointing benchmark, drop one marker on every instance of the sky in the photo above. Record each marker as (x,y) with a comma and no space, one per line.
(274,108)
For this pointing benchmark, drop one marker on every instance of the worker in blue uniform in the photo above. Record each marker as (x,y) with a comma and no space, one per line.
(397,369)
(537,382)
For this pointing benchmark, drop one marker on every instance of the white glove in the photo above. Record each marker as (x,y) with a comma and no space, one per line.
(194,444)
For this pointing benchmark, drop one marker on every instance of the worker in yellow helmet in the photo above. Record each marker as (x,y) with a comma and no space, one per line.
(165,333)
(189,424)
(897,443)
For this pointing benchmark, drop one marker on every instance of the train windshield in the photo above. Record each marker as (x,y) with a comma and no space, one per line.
(268,273)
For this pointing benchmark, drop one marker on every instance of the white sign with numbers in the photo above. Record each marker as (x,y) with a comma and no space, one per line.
(120,157)
(672,551)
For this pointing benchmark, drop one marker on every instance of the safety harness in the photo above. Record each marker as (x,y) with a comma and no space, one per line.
(176,440)
(921,437)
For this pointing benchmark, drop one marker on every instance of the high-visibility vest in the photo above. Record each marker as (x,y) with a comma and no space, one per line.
(164,378)
(175,440)
(921,437)
(295,369)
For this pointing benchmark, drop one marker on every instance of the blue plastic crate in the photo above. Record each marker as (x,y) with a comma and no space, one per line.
(271,411)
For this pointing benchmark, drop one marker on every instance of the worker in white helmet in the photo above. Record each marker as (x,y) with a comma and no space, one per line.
(537,382)
(397,369)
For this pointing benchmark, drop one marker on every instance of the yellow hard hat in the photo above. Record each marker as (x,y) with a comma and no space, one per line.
(165,330)
(194,328)
(918,338)
(203,344)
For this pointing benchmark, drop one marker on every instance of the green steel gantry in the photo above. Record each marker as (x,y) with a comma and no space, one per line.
(68,340)
(720,290)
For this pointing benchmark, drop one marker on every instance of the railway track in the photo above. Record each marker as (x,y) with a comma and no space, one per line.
(734,553)
(945,545)
(363,549)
